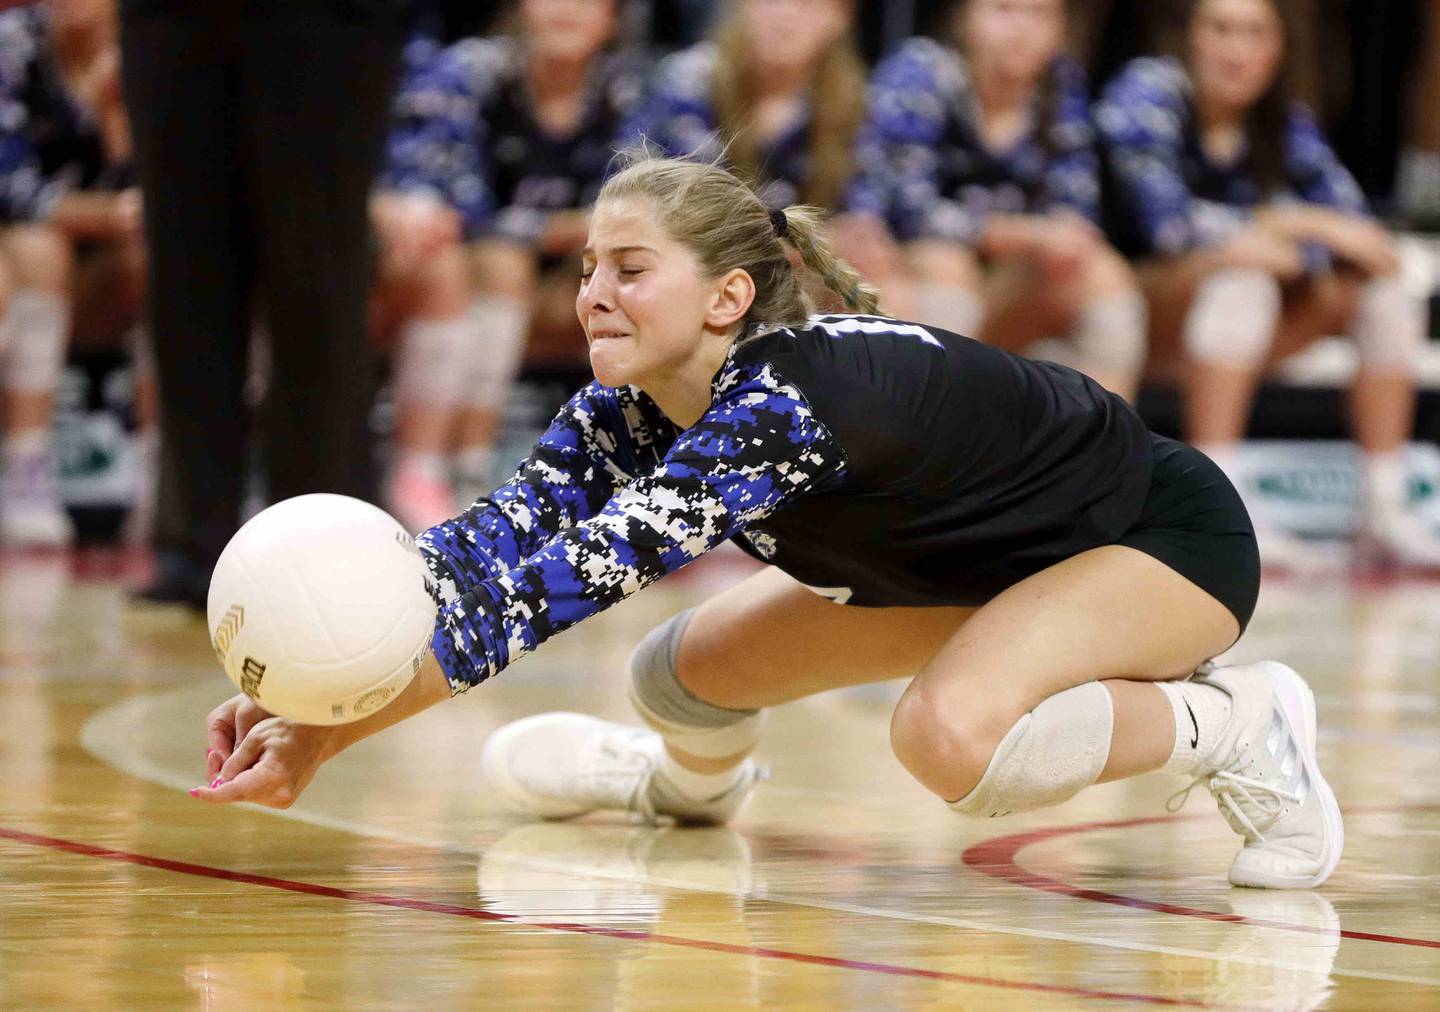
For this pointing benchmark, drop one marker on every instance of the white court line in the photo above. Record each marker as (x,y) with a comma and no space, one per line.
(105,736)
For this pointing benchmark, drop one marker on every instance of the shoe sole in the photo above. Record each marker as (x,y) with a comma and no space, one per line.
(1298,702)
(512,796)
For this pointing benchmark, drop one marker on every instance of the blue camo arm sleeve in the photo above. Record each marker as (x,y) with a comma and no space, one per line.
(570,474)
(757,447)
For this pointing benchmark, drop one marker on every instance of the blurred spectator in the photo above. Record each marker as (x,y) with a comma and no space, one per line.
(497,152)
(1256,242)
(258,129)
(63,141)
(979,156)
(778,92)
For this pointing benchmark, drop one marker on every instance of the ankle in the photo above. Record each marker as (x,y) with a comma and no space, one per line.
(691,785)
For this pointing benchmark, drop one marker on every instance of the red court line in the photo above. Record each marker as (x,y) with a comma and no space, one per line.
(454,910)
(999,858)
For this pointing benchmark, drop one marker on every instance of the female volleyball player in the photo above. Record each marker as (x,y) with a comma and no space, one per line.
(978,155)
(1004,530)
(1254,240)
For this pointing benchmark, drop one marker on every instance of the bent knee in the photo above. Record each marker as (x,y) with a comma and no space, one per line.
(945,747)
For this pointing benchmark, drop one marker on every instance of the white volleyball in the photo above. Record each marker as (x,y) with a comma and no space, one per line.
(319,609)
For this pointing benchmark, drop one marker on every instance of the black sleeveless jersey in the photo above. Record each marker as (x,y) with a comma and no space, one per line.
(967,468)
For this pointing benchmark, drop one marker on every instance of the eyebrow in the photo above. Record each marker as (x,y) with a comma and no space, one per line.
(590,252)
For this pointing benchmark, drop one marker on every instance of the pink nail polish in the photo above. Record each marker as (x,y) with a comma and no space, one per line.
(216,782)
(194,792)
(209,752)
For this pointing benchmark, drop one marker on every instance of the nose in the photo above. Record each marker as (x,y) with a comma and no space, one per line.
(596,295)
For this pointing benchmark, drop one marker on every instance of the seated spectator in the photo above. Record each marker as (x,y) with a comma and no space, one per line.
(498,149)
(777,93)
(1255,242)
(63,199)
(978,155)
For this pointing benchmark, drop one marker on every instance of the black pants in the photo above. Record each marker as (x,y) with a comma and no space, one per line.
(258,129)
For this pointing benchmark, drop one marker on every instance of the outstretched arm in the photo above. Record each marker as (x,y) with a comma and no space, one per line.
(756,448)
(277,758)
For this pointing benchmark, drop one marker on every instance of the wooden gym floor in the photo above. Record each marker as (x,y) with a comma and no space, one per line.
(394,883)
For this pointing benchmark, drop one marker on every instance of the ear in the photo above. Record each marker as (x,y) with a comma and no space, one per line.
(732,298)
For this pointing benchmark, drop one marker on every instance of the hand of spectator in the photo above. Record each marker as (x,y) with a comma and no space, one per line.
(1366,244)
(412,227)
(1260,248)
(1064,243)
(127,213)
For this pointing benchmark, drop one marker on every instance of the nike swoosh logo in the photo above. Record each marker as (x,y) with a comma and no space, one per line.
(1195,741)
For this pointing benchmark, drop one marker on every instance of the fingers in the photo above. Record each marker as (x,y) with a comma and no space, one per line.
(220,730)
(259,785)
(244,756)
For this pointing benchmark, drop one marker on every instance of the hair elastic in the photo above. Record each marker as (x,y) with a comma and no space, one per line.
(780,223)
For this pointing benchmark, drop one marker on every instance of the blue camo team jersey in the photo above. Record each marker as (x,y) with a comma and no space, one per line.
(1170,196)
(463,130)
(49,143)
(679,118)
(925,169)
(877,462)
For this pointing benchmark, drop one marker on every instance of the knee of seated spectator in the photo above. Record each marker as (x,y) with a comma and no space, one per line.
(501,268)
(946,742)
(1108,273)
(40,256)
(939,262)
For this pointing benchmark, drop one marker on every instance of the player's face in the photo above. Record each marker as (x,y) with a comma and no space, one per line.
(643,297)
(1235,50)
(793,33)
(568,29)
(1015,39)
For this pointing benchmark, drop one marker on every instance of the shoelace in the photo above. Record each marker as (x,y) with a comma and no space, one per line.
(1225,787)
(617,746)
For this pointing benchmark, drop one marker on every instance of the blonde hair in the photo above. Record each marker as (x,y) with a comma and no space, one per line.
(726,226)
(837,103)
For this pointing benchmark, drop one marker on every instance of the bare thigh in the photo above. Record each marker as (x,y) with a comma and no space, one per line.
(769,640)
(1021,308)
(1109,613)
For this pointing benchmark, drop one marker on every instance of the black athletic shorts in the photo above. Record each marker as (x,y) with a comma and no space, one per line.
(1194,522)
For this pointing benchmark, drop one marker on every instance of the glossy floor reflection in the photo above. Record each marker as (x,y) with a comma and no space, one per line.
(395,882)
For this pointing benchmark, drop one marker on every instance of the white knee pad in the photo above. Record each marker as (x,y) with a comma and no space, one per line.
(1233,317)
(432,361)
(1389,326)
(949,307)
(36,325)
(1110,334)
(1050,755)
(683,720)
(501,326)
